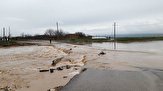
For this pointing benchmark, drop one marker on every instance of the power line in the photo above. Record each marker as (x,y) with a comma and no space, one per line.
(133,25)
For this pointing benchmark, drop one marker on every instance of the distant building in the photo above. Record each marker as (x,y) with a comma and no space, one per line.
(99,37)
(72,36)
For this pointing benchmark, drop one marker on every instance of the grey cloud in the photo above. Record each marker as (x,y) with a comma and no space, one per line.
(34,15)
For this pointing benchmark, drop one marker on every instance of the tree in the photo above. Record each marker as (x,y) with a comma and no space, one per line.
(59,33)
(80,34)
(49,32)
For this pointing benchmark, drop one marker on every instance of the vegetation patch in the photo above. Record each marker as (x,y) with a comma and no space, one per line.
(13,43)
(7,43)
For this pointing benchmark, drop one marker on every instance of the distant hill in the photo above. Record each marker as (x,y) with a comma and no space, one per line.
(135,35)
(140,35)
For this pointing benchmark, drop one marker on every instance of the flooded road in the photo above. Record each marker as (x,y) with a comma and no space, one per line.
(113,80)
(152,46)
(132,67)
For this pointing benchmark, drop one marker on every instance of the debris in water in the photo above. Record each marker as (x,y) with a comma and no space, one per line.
(64,76)
(51,90)
(76,68)
(54,62)
(84,69)
(60,68)
(68,67)
(101,53)
(58,88)
(51,70)
(44,70)
(7,88)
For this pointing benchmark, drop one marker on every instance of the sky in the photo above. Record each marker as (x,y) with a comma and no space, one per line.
(94,17)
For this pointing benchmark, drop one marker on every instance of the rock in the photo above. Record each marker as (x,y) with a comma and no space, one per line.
(101,53)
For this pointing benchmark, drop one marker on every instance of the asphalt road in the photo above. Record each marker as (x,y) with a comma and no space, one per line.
(112,80)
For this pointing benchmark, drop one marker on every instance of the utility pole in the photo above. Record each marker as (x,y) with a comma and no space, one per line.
(9,34)
(57,26)
(3,33)
(114,35)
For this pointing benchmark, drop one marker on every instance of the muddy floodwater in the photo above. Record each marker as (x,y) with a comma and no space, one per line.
(152,46)
(136,66)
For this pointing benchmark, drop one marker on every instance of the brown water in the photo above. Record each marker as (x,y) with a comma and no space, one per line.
(152,46)
(146,57)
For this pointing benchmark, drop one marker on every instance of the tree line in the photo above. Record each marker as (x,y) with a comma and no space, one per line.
(51,34)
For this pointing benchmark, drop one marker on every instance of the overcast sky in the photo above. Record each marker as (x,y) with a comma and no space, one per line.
(88,16)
